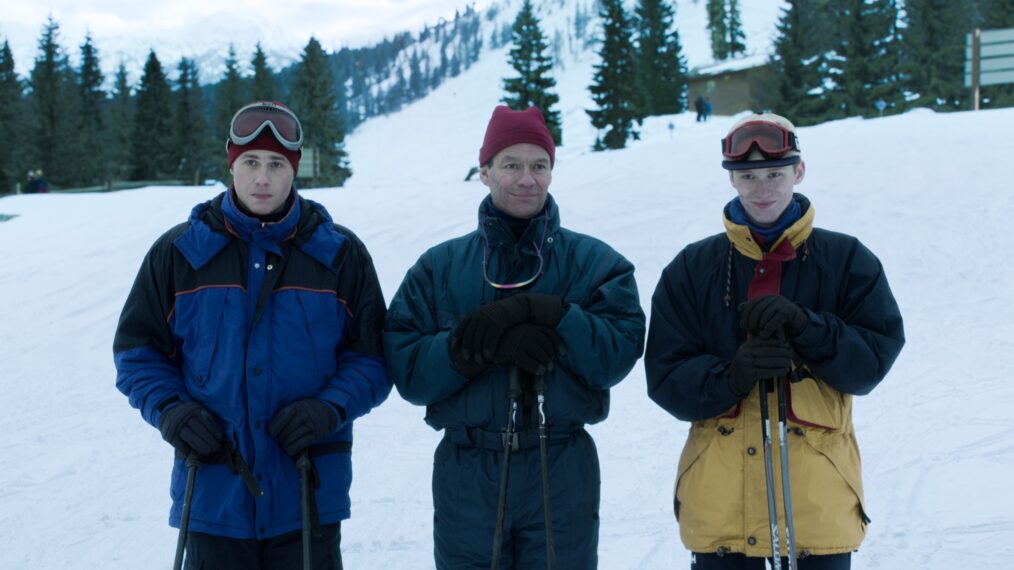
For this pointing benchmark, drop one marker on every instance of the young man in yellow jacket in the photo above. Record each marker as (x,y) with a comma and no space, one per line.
(772,297)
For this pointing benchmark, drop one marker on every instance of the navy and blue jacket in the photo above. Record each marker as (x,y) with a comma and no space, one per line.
(247,317)
(603,327)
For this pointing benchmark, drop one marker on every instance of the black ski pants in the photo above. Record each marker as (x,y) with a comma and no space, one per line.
(285,552)
(742,562)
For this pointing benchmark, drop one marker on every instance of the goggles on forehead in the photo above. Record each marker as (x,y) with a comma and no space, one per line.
(772,140)
(250,121)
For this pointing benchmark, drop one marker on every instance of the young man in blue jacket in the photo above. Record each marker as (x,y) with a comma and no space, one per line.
(253,333)
(518,292)
(771,300)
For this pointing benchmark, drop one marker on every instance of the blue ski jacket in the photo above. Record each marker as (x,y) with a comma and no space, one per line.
(603,327)
(247,317)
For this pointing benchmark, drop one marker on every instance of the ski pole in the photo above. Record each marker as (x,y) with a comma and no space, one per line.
(769,475)
(304,466)
(540,390)
(510,442)
(783,447)
(193,464)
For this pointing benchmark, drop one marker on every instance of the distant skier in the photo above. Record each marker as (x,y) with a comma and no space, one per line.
(41,184)
(771,298)
(523,293)
(699,108)
(708,108)
(252,334)
(31,183)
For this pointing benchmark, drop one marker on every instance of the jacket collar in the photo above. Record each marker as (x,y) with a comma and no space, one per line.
(498,234)
(741,238)
(311,229)
(265,235)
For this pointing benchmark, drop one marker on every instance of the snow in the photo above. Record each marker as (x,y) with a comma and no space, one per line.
(84,481)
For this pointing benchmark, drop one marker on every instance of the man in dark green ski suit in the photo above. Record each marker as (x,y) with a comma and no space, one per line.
(518,292)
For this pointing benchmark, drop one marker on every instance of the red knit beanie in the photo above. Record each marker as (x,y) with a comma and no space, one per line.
(265,141)
(507,127)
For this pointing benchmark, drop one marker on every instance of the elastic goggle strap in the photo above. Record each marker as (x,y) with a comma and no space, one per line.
(771,139)
(248,123)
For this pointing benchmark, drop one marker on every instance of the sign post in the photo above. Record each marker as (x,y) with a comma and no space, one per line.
(989,60)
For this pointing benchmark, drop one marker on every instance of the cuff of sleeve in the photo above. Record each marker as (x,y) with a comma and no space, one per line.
(340,411)
(810,333)
(728,388)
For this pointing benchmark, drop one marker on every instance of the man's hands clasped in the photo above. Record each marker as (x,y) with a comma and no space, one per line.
(519,329)
(772,321)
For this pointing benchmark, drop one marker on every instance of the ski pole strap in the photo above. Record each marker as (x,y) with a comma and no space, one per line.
(231,458)
(494,440)
(236,464)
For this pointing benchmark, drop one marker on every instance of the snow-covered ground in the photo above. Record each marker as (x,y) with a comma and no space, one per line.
(84,482)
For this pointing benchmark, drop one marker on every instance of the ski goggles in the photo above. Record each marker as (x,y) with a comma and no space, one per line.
(250,121)
(771,139)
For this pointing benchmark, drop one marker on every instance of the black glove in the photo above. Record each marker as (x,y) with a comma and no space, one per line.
(545,309)
(478,334)
(303,423)
(758,359)
(766,316)
(531,347)
(465,367)
(191,427)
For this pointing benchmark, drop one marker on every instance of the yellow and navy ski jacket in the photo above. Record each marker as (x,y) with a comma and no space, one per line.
(853,336)
(245,318)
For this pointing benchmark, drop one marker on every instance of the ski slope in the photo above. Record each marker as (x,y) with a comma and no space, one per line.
(84,481)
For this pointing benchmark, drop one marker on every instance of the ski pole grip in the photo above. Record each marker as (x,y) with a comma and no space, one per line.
(514,382)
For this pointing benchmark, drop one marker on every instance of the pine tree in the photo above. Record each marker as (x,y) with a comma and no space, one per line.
(416,79)
(11,124)
(316,103)
(91,133)
(867,56)
(534,83)
(933,53)
(120,127)
(799,62)
(191,125)
(998,14)
(718,30)
(661,67)
(395,98)
(51,104)
(152,142)
(613,89)
(737,39)
(230,96)
(263,88)
(455,66)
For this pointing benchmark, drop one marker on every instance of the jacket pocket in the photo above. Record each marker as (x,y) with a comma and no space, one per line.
(829,499)
(813,403)
(709,498)
(697,443)
(324,319)
(199,328)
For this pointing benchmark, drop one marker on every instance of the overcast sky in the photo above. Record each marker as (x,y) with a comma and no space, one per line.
(118,23)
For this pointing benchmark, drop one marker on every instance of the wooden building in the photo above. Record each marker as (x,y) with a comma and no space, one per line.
(733,86)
